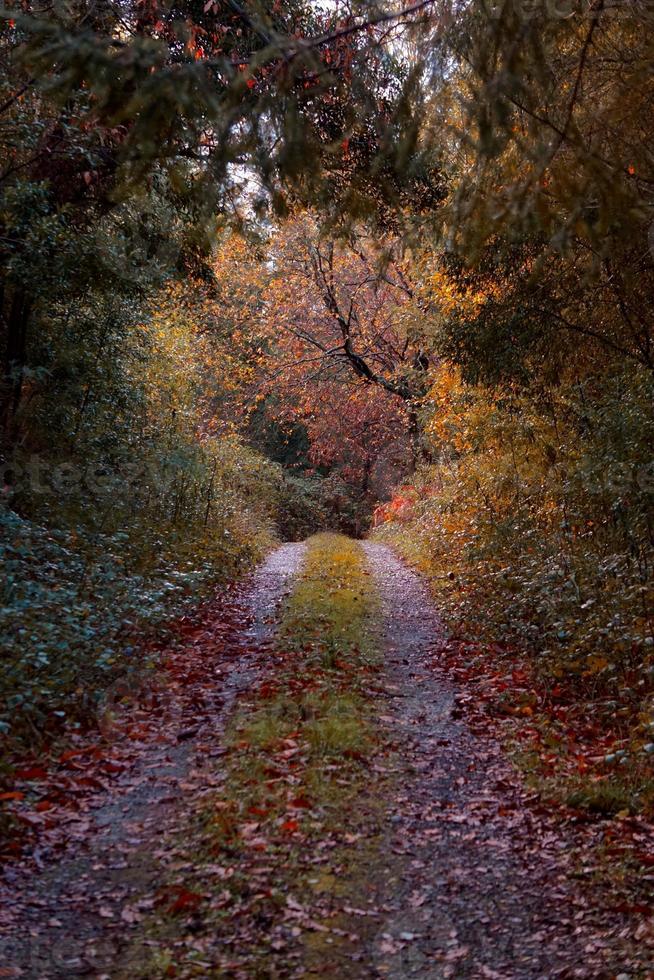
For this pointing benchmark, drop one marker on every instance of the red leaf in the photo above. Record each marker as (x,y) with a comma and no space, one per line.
(258,811)
(34,772)
(301,802)
(180,899)
(70,754)
(14,795)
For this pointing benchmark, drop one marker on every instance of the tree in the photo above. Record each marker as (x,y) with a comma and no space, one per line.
(345,329)
(154,119)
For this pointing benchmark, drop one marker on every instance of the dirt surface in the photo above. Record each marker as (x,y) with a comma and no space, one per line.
(73,913)
(480,888)
(464,874)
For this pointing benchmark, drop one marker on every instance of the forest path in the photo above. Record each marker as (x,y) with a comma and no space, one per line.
(444,867)
(73,913)
(476,887)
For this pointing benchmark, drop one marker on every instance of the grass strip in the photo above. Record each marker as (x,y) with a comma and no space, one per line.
(287,840)
(298,746)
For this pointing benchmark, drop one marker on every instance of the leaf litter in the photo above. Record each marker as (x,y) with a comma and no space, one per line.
(468,872)
(77,885)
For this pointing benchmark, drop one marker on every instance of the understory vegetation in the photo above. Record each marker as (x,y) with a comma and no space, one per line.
(535,530)
(121,512)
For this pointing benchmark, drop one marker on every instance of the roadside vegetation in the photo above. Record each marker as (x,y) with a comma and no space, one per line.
(534,531)
(118,515)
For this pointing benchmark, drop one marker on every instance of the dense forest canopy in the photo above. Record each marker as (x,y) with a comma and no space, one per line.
(261,264)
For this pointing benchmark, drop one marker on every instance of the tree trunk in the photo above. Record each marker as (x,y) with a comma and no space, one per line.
(420,453)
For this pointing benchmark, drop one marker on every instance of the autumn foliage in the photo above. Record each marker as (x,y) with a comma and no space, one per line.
(268,268)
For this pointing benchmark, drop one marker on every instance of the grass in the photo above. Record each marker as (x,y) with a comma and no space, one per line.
(602,797)
(329,612)
(313,714)
(295,816)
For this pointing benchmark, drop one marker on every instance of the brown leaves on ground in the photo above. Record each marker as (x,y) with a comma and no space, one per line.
(220,895)
(49,798)
(559,745)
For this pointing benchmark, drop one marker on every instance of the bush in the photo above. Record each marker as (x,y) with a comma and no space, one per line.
(535,527)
